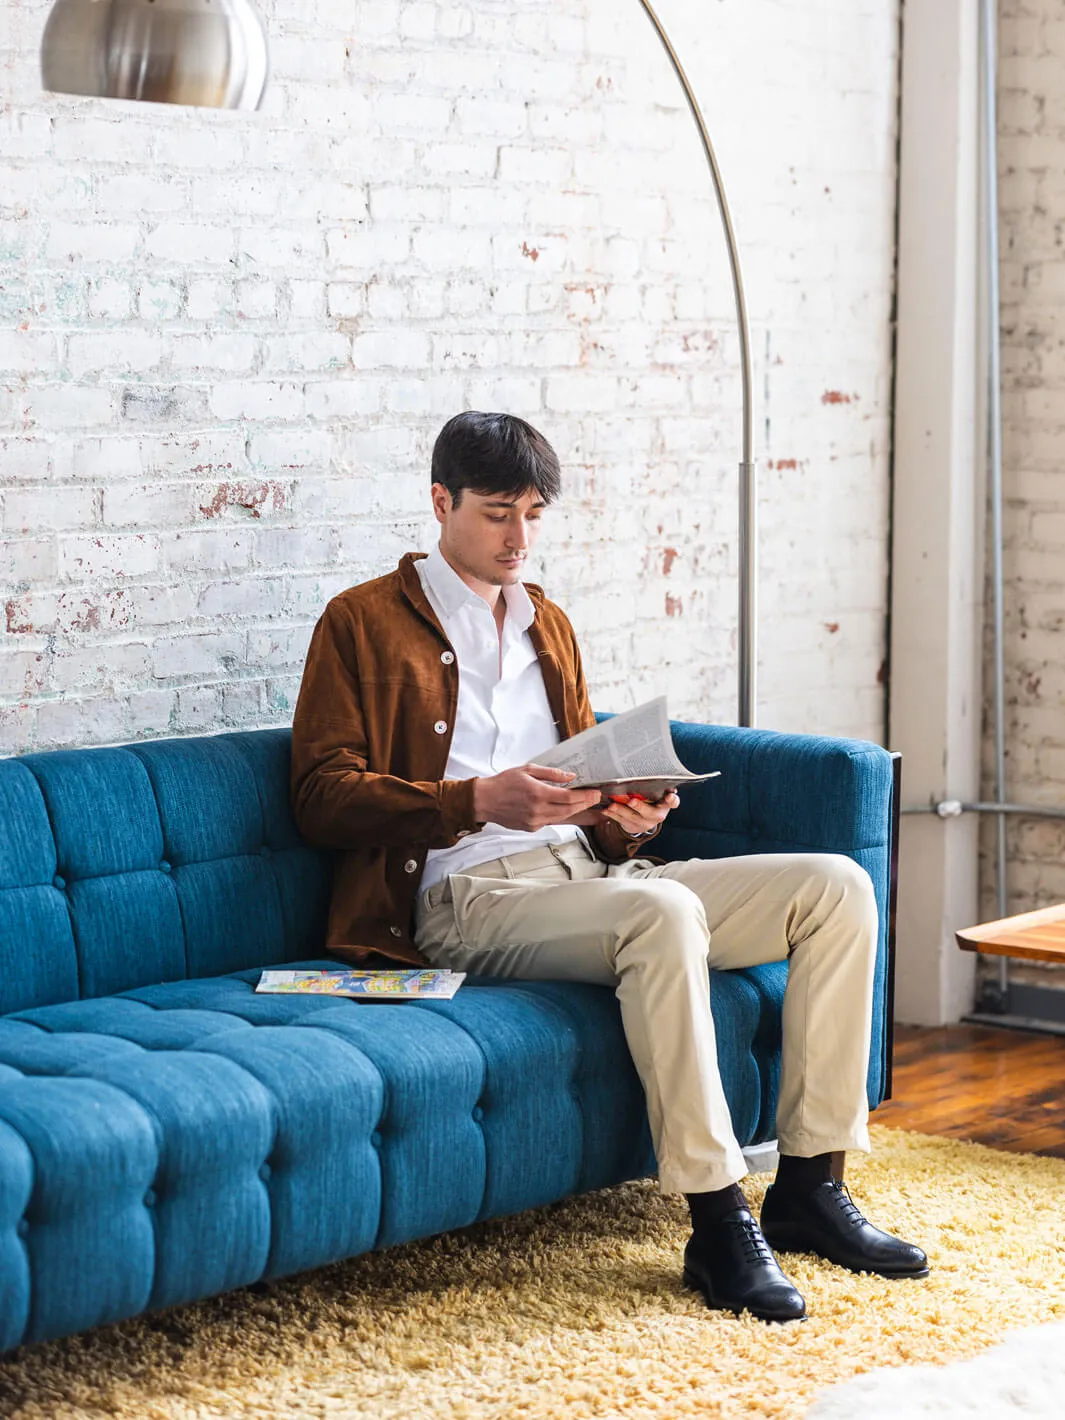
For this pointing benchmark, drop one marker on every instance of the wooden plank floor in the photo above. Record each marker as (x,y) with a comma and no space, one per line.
(1004,1088)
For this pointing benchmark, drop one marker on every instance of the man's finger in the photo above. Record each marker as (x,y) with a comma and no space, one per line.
(574,799)
(543,771)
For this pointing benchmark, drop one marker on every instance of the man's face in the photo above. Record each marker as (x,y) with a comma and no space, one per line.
(488,536)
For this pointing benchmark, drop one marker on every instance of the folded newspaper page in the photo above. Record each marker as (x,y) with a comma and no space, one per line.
(630,754)
(415,985)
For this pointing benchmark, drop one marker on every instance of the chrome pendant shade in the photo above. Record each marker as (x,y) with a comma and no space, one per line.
(208,53)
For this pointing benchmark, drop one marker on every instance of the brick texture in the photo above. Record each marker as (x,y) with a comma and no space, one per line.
(1031,158)
(228,340)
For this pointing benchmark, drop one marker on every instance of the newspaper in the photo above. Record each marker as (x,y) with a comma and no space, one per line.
(630,754)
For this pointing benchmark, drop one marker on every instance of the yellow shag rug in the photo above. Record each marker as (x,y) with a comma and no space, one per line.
(577,1310)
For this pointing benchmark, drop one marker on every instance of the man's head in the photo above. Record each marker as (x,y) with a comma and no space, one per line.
(493,475)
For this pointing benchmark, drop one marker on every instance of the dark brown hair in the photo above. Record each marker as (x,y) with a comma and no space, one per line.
(494,453)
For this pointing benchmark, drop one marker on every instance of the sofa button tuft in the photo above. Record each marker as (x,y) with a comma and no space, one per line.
(265,1172)
(164,866)
(149,1198)
(478,1113)
(265,851)
(22,1228)
(375,1139)
(58,882)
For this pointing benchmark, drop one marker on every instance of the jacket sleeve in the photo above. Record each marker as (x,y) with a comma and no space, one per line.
(336,801)
(609,839)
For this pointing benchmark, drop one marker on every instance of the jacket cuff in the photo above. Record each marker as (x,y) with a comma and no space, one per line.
(614,845)
(456,808)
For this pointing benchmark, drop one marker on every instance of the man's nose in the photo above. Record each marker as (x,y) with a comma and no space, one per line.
(518,536)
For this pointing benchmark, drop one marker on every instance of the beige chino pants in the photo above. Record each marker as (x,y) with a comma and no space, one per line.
(651,931)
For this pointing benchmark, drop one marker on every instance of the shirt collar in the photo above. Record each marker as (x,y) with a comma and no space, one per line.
(452,592)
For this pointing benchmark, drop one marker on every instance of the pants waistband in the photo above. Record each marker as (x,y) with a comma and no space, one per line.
(515,864)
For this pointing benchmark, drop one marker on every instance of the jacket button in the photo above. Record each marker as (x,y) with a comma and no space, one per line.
(448,658)
(411,865)
(396,931)
(440,727)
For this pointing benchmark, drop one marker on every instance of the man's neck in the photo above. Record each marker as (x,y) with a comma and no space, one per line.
(485,590)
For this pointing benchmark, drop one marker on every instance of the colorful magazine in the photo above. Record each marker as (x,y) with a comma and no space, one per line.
(414,985)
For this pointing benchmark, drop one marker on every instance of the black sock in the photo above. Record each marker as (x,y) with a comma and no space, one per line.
(795,1175)
(708,1208)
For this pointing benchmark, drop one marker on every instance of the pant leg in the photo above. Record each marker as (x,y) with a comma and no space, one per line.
(817,911)
(646,938)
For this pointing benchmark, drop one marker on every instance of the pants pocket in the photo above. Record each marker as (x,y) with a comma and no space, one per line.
(473,900)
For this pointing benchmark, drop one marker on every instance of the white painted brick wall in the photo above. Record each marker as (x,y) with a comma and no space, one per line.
(227,342)
(1032,180)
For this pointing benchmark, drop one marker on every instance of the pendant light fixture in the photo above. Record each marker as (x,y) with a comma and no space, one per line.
(208,53)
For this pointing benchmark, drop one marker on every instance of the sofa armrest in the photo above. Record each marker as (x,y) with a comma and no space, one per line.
(782,793)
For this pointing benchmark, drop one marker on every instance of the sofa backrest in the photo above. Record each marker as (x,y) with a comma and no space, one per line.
(150,862)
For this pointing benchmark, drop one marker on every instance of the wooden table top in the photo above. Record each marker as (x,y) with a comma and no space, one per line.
(1039,936)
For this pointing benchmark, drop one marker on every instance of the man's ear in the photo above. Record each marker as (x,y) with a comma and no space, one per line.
(442,502)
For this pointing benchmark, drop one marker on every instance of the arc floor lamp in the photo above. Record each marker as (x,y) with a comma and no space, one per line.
(213,53)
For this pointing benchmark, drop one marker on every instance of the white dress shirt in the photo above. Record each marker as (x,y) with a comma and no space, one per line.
(503,718)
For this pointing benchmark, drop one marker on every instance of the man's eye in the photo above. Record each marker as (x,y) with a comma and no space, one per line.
(496,518)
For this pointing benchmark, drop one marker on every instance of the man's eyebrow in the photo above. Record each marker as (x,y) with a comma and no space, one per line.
(512,503)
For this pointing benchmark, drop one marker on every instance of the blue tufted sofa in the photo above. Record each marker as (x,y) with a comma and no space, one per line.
(167,1134)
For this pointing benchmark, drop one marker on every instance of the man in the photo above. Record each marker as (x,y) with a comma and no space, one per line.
(426,696)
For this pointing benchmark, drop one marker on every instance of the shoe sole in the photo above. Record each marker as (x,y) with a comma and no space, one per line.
(783,1242)
(698,1285)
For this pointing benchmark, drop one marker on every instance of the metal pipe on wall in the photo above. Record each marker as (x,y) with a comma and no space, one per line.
(951,808)
(989,65)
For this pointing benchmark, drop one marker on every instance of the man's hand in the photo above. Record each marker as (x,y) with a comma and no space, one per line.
(636,815)
(530,797)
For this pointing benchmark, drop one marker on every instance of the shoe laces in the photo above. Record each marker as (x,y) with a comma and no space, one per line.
(755,1246)
(847,1206)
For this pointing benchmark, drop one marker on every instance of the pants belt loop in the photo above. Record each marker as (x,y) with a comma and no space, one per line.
(556,853)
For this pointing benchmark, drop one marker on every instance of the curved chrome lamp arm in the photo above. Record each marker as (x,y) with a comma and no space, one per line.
(748,522)
(213,53)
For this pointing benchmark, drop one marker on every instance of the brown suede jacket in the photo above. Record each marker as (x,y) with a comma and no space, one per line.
(370,740)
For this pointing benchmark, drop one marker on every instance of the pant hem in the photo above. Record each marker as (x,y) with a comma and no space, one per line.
(806,1146)
(702,1180)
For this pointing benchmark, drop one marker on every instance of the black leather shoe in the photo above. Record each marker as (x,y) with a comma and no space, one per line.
(825,1220)
(730,1263)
